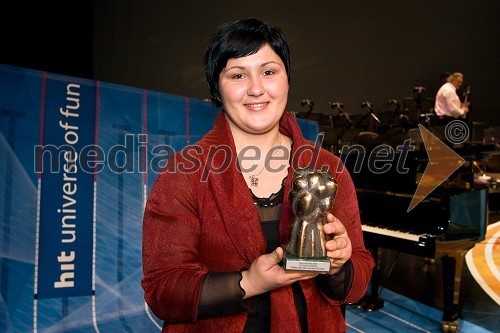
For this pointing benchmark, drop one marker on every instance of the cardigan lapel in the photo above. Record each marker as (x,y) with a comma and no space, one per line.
(233,198)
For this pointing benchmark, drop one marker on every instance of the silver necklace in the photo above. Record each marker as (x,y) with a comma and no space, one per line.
(254,178)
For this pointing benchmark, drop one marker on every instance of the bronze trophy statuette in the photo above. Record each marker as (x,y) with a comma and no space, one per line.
(312,196)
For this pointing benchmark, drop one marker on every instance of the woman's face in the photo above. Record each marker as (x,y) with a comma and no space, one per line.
(254,90)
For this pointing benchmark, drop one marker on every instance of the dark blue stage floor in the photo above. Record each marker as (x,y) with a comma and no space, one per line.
(401,314)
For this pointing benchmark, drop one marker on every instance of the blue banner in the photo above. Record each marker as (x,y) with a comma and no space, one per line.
(65,242)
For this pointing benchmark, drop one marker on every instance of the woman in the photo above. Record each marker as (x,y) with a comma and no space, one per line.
(213,236)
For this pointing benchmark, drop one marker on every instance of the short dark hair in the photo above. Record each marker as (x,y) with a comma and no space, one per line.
(239,39)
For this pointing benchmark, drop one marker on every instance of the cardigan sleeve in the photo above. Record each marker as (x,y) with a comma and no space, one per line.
(347,211)
(172,273)
(176,287)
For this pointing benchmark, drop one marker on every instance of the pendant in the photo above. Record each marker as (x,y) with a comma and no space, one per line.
(254,181)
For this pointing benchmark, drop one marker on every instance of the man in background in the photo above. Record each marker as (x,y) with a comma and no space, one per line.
(448,102)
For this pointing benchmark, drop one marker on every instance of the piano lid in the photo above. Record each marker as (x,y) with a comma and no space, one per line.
(385,170)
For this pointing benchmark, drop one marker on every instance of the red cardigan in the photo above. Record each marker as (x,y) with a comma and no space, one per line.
(200,217)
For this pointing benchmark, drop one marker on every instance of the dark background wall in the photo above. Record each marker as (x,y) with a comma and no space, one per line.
(347,51)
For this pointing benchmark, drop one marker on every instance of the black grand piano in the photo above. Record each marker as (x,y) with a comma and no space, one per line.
(445,225)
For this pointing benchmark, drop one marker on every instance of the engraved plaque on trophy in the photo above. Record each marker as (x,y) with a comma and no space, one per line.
(311,197)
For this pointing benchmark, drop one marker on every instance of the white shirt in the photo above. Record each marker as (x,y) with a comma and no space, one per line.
(447,102)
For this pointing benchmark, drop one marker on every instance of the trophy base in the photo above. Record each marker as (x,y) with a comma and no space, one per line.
(293,263)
